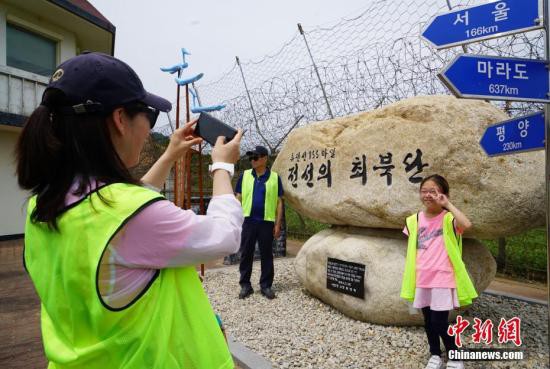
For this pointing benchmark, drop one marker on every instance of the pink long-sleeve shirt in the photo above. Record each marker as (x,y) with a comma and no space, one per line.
(164,236)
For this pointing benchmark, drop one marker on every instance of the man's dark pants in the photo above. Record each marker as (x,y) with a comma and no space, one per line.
(263,233)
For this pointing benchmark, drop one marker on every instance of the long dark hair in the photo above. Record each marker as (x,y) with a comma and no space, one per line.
(53,149)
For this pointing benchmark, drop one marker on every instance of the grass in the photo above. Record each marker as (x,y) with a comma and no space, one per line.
(525,253)
(302,231)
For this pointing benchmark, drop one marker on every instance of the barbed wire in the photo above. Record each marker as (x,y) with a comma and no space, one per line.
(363,62)
(357,64)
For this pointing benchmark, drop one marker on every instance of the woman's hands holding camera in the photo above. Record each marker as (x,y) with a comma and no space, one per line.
(227,152)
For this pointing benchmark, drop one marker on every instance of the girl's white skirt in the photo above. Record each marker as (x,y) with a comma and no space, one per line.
(438,299)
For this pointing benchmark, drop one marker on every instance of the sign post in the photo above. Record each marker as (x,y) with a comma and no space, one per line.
(497,78)
(547,162)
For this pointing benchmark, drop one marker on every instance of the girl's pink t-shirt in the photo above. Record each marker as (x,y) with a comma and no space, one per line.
(433,266)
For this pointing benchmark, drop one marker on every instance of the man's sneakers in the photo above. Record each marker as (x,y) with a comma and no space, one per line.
(245,292)
(455,364)
(268,292)
(435,362)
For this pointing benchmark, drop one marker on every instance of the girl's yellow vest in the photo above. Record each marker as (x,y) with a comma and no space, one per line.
(271,194)
(453,244)
(170,325)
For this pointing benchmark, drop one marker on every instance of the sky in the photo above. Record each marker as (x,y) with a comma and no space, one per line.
(150,34)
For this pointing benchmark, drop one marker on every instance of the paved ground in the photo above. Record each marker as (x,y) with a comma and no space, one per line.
(535,291)
(20,340)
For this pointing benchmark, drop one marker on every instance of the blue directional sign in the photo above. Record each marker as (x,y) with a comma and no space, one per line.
(482,22)
(512,136)
(497,78)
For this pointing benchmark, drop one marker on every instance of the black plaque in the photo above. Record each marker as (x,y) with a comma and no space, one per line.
(346,277)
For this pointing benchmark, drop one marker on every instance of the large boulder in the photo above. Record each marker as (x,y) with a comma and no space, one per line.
(382,252)
(400,144)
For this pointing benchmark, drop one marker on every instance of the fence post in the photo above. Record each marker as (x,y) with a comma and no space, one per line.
(508,107)
(251,105)
(170,122)
(197,93)
(501,256)
(316,71)
(202,210)
(290,129)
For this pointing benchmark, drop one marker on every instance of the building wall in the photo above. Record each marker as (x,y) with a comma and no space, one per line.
(21,91)
(12,199)
(27,86)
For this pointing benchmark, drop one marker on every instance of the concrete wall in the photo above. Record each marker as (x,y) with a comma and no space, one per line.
(12,199)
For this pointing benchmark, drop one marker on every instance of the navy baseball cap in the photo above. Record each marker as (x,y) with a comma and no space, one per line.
(97,82)
(259,150)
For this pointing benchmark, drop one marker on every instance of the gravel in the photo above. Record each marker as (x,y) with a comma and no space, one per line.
(296,330)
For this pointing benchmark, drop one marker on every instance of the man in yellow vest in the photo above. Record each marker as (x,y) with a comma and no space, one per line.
(260,191)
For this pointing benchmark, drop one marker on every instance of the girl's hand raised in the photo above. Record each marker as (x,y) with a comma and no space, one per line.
(441,199)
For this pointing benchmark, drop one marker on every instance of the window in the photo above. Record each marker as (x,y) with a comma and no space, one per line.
(29,51)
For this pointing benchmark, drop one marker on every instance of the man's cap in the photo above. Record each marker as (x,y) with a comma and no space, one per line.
(259,150)
(95,81)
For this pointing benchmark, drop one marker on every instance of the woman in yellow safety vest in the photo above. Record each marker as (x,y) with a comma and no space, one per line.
(111,259)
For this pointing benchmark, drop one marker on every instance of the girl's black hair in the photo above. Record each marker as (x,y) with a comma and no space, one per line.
(440,181)
(53,149)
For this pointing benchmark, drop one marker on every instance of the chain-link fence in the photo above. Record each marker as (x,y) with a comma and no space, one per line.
(357,64)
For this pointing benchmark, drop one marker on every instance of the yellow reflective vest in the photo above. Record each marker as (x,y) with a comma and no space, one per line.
(169,325)
(271,194)
(453,245)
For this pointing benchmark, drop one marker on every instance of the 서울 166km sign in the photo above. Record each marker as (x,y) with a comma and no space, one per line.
(495,19)
(497,78)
